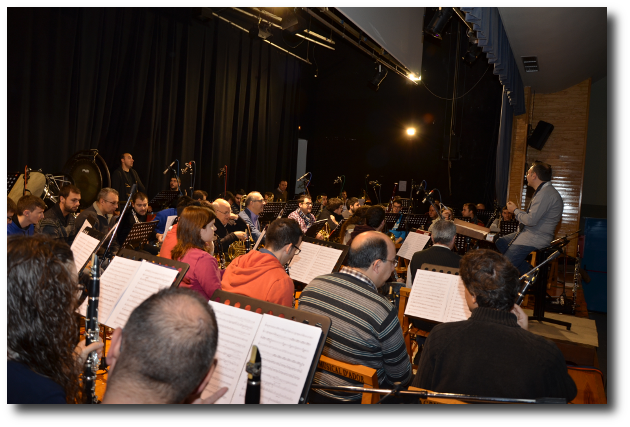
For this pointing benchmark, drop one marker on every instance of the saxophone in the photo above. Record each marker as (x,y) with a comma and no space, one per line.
(92,334)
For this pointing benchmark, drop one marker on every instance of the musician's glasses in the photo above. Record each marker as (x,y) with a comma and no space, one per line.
(393,261)
(297,250)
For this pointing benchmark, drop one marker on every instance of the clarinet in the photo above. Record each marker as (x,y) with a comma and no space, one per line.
(253,369)
(92,335)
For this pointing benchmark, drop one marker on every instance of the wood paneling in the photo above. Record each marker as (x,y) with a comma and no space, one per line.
(565,150)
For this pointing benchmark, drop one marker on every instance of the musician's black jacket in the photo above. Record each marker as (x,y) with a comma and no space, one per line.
(123,181)
(325,214)
(225,234)
(127,222)
(58,226)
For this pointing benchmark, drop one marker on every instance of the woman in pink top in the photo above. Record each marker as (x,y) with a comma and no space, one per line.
(195,233)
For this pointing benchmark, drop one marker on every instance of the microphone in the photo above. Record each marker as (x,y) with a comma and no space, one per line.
(374,183)
(337,181)
(221,172)
(429,196)
(303,176)
(169,166)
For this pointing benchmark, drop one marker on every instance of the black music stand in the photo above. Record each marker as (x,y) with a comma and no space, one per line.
(139,234)
(316,228)
(290,206)
(270,212)
(390,220)
(317,207)
(181,267)
(406,205)
(508,227)
(289,313)
(163,200)
(12,178)
(417,221)
(484,215)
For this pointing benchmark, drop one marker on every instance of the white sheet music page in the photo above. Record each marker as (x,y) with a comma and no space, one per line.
(82,248)
(286,351)
(457,308)
(301,264)
(148,280)
(323,263)
(237,328)
(85,225)
(429,295)
(169,224)
(414,242)
(260,239)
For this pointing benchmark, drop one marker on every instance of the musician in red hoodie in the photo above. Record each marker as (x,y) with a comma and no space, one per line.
(261,274)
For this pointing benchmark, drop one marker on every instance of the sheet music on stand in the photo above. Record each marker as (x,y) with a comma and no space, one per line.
(262,235)
(12,178)
(84,245)
(419,221)
(391,218)
(438,297)
(163,199)
(415,242)
(316,228)
(316,257)
(317,207)
(139,234)
(270,212)
(292,205)
(170,221)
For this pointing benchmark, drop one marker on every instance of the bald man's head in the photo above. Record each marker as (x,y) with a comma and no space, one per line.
(222,209)
(369,252)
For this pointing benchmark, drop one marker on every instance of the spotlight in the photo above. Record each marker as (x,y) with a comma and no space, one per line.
(411,131)
(438,22)
(261,30)
(378,78)
(471,54)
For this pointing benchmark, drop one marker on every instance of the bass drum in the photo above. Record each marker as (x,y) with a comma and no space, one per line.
(90,173)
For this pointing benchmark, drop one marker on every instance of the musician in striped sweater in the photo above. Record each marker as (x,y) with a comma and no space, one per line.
(365,328)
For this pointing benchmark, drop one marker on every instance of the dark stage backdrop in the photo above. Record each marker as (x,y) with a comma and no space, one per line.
(155,83)
(355,131)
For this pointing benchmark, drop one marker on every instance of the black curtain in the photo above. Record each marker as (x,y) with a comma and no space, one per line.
(153,82)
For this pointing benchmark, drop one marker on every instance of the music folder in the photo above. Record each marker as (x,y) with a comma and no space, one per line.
(438,297)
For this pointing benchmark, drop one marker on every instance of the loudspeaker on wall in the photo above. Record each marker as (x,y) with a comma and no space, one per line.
(539,136)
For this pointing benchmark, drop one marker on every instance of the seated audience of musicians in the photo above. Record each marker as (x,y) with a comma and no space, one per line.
(303,214)
(44,362)
(166,352)
(398,229)
(374,221)
(441,253)
(239,196)
(537,224)
(365,328)
(59,220)
(124,177)
(11,210)
(332,212)
(470,211)
(492,353)
(506,215)
(348,227)
(162,216)
(352,204)
(228,231)
(281,194)
(322,199)
(195,233)
(268,197)
(29,211)
(200,195)
(137,212)
(261,274)
(254,204)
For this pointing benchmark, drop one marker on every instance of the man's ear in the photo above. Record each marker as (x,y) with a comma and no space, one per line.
(114,349)
(206,379)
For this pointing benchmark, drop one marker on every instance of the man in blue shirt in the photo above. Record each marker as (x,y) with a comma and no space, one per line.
(30,210)
(398,228)
(254,203)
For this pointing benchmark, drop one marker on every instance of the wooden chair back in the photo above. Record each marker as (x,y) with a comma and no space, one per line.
(355,372)
(590,384)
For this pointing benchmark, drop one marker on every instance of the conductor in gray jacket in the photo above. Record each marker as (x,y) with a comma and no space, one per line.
(537,224)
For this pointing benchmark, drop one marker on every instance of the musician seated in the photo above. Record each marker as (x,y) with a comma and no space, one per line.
(200,195)
(166,352)
(348,227)
(43,366)
(170,240)
(446,213)
(175,185)
(492,353)
(59,220)
(433,215)
(11,210)
(441,253)
(365,328)
(322,199)
(374,221)
(254,205)
(397,229)
(303,214)
(238,198)
(30,210)
(229,226)
(470,211)
(261,274)
(506,215)
(268,197)
(332,212)
(281,194)
(162,216)
(137,212)
(352,205)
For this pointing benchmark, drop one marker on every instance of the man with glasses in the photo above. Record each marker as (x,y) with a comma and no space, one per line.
(101,214)
(227,233)
(365,328)
(261,274)
(254,203)
(303,214)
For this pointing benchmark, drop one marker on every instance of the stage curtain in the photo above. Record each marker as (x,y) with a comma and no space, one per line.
(494,42)
(504,146)
(153,82)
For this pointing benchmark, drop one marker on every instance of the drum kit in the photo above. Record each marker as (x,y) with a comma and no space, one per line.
(86,169)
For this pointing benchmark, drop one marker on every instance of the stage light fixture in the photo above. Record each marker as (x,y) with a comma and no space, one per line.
(438,22)
(378,78)
(411,131)
(260,30)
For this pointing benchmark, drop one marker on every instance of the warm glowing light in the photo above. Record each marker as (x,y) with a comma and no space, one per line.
(413,77)
(411,131)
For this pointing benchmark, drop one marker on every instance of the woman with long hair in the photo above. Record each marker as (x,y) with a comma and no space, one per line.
(195,233)
(44,362)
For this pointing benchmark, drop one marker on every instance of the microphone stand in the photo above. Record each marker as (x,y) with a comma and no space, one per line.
(429,394)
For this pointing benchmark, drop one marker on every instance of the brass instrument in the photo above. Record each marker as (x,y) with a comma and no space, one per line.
(239,248)
(392,237)
(325,233)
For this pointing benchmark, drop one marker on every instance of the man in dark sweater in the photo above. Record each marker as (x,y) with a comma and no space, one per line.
(374,221)
(492,353)
(125,177)
(59,220)
(280,194)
